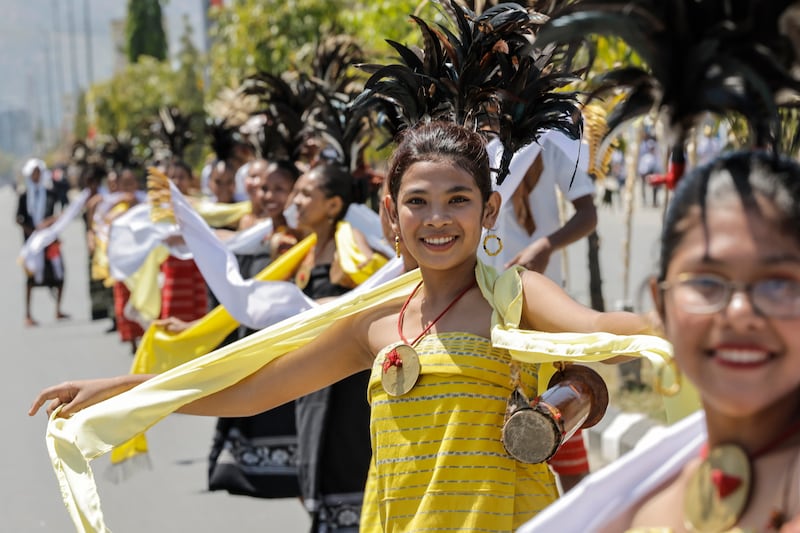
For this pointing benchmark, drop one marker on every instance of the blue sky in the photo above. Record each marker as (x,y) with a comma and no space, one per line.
(30,31)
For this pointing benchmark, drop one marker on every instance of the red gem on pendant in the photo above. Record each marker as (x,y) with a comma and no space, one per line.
(726,484)
(392,359)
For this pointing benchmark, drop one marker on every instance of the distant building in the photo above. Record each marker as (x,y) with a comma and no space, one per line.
(16,132)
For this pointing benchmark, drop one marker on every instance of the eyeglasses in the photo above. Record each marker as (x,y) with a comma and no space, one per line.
(706,293)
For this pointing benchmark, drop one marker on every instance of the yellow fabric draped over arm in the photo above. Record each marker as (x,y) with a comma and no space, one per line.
(100,267)
(145,293)
(353,261)
(505,294)
(222,215)
(160,350)
(92,432)
(73,442)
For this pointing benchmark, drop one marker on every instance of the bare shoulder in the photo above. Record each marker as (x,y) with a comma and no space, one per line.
(531,279)
(378,326)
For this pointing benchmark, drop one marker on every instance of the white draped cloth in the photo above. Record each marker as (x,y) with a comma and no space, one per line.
(602,502)
(255,304)
(31,256)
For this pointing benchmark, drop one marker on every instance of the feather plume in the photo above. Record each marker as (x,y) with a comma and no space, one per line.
(226,114)
(331,65)
(720,56)
(119,152)
(284,102)
(484,74)
(173,130)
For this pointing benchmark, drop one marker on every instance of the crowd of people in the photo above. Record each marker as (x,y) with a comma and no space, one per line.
(384,393)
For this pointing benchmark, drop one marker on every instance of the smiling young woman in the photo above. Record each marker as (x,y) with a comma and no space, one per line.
(438,460)
(728,292)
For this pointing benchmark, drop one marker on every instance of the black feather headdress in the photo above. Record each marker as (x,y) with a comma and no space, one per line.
(721,56)
(119,152)
(284,103)
(297,107)
(86,163)
(342,134)
(485,74)
(331,66)
(173,130)
(226,114)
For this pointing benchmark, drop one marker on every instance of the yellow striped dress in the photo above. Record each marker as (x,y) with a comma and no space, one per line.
(438,461)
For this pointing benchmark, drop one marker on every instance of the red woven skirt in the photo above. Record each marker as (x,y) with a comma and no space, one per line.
(128,329)
(184,294)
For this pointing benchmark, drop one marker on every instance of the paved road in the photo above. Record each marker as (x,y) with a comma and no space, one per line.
(171,496)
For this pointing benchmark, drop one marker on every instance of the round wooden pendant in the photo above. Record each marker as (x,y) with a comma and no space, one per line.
(401,370)
(718,491)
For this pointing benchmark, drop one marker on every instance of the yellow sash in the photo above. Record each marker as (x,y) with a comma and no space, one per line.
(352,260)
(222,215)
(160,351)
(92,432)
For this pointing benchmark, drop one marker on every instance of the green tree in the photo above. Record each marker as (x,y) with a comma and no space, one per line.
(189,91)
(144,30)
(129,102)
(278,35)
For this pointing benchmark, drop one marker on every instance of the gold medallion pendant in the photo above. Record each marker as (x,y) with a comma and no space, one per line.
(401,370)
(718,491)
(401,367)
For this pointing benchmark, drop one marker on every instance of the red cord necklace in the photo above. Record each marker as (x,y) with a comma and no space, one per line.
(719,490)
(401,367)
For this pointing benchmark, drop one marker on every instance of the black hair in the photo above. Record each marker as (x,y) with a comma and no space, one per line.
(335,180)
(747,174)
(180,163)
(286,166)
(93,174)
(439,141)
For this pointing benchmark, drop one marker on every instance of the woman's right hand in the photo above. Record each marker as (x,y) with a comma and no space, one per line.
(77,395)
(173,324)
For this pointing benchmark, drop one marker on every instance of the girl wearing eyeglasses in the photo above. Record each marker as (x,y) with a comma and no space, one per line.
(728,293)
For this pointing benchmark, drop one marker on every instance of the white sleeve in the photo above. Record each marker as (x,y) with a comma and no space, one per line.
(561,154)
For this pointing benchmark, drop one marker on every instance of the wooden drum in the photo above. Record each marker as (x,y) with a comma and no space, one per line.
(576,398)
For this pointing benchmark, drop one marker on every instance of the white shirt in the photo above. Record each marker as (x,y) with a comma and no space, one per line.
(559,157)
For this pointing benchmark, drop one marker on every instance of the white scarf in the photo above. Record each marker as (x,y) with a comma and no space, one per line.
(31,256)
(35,193)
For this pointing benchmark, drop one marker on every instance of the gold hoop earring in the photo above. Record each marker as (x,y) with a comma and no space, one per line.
(673,389)
(486,241)
(397,245)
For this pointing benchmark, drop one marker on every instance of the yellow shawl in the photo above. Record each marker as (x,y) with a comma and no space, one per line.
(73,442)
(160,351)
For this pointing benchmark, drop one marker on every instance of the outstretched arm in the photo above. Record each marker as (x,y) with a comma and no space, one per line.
(77,395)
(548,308)
(340,351)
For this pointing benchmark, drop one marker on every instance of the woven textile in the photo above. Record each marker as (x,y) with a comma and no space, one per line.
(439,463)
